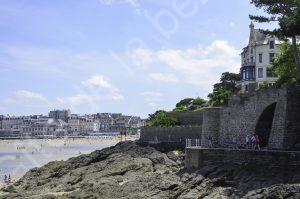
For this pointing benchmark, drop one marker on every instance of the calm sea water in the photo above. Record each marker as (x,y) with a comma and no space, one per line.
(19,156)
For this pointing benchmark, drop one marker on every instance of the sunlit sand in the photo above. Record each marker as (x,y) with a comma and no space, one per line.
(19,156)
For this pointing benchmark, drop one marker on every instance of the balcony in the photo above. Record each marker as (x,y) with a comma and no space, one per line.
(248,71)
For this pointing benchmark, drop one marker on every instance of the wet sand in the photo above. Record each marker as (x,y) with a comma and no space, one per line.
(19,156)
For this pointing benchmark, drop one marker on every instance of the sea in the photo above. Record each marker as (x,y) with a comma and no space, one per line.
(19,156)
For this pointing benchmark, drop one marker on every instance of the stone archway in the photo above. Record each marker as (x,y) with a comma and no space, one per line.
(264,124)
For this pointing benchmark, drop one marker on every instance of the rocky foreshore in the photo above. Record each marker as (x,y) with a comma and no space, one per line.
(129,170)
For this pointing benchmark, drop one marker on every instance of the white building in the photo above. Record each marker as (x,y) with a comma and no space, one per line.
(82,124)
(256,60)
(46,127)
(11,123)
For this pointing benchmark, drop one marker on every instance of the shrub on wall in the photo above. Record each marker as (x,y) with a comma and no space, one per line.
(160,118)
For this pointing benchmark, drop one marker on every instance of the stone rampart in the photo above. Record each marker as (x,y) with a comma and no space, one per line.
(211,127)
(196,158)
(170,134)
(188,117)
(272,114)
(243,115)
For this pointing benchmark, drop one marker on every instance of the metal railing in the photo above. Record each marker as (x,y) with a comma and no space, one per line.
(189,143)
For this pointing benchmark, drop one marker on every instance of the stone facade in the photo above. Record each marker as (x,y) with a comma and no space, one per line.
(170,134)
(188,118)
(242,115)
(198,157)
(273,114)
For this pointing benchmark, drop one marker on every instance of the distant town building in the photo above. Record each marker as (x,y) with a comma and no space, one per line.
(46,127)
(82,124)
(256,60)
(11,122)
(62,122)
(60,114)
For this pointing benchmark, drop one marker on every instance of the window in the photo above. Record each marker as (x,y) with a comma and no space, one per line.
(260,73)
(272,55)
(252,60)
(260,57)
(272,45)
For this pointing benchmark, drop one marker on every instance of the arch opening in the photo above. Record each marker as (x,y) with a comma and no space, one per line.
(264,125)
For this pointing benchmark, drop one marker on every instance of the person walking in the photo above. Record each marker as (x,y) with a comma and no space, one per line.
(257,142)
(253,142)
(247,141)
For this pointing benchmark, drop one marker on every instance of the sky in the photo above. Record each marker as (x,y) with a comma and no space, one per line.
(125,56)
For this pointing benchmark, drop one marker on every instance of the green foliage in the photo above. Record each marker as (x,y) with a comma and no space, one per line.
(160,118)
(224,89)
(185,102)
(284,65)
(190,104)
(263,86)
(287,14)
(219,98)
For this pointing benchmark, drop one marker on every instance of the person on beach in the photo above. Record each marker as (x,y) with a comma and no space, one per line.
(5,178)
(9,179)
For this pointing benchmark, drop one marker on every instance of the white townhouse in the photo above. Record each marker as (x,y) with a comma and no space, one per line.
(256,60)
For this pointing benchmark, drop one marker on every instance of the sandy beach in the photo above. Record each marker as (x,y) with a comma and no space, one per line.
(19,156)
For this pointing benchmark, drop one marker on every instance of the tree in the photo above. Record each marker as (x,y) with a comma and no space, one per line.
(284,65)
(287,14)
(185,102)
(224,89)
(160,118)
(190,104)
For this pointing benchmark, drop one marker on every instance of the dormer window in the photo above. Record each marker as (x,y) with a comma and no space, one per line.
(272,44)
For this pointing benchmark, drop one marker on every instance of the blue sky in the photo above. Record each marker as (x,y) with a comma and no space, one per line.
(129,56)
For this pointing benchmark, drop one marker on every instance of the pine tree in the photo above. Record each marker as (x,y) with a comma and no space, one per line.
(287,14)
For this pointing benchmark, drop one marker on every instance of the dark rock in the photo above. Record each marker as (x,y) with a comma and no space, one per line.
(129,170)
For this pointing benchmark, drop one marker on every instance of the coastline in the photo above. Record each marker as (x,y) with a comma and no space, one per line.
(129,170)
(18,156)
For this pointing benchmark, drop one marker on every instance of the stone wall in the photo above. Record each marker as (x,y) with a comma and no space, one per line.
(187,118)
(292,136)
(273,114)
(170,134)
(211,127)
(195,158)
(241,116)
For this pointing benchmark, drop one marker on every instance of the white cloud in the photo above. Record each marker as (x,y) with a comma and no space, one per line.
(87,98)
(110,2)
(141,57)
(91,96)
(99,89)
(97,81)
(151,94)
(26,98)
(152,98)
(25,94)
(133,3)
(163,77)
(201,66)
